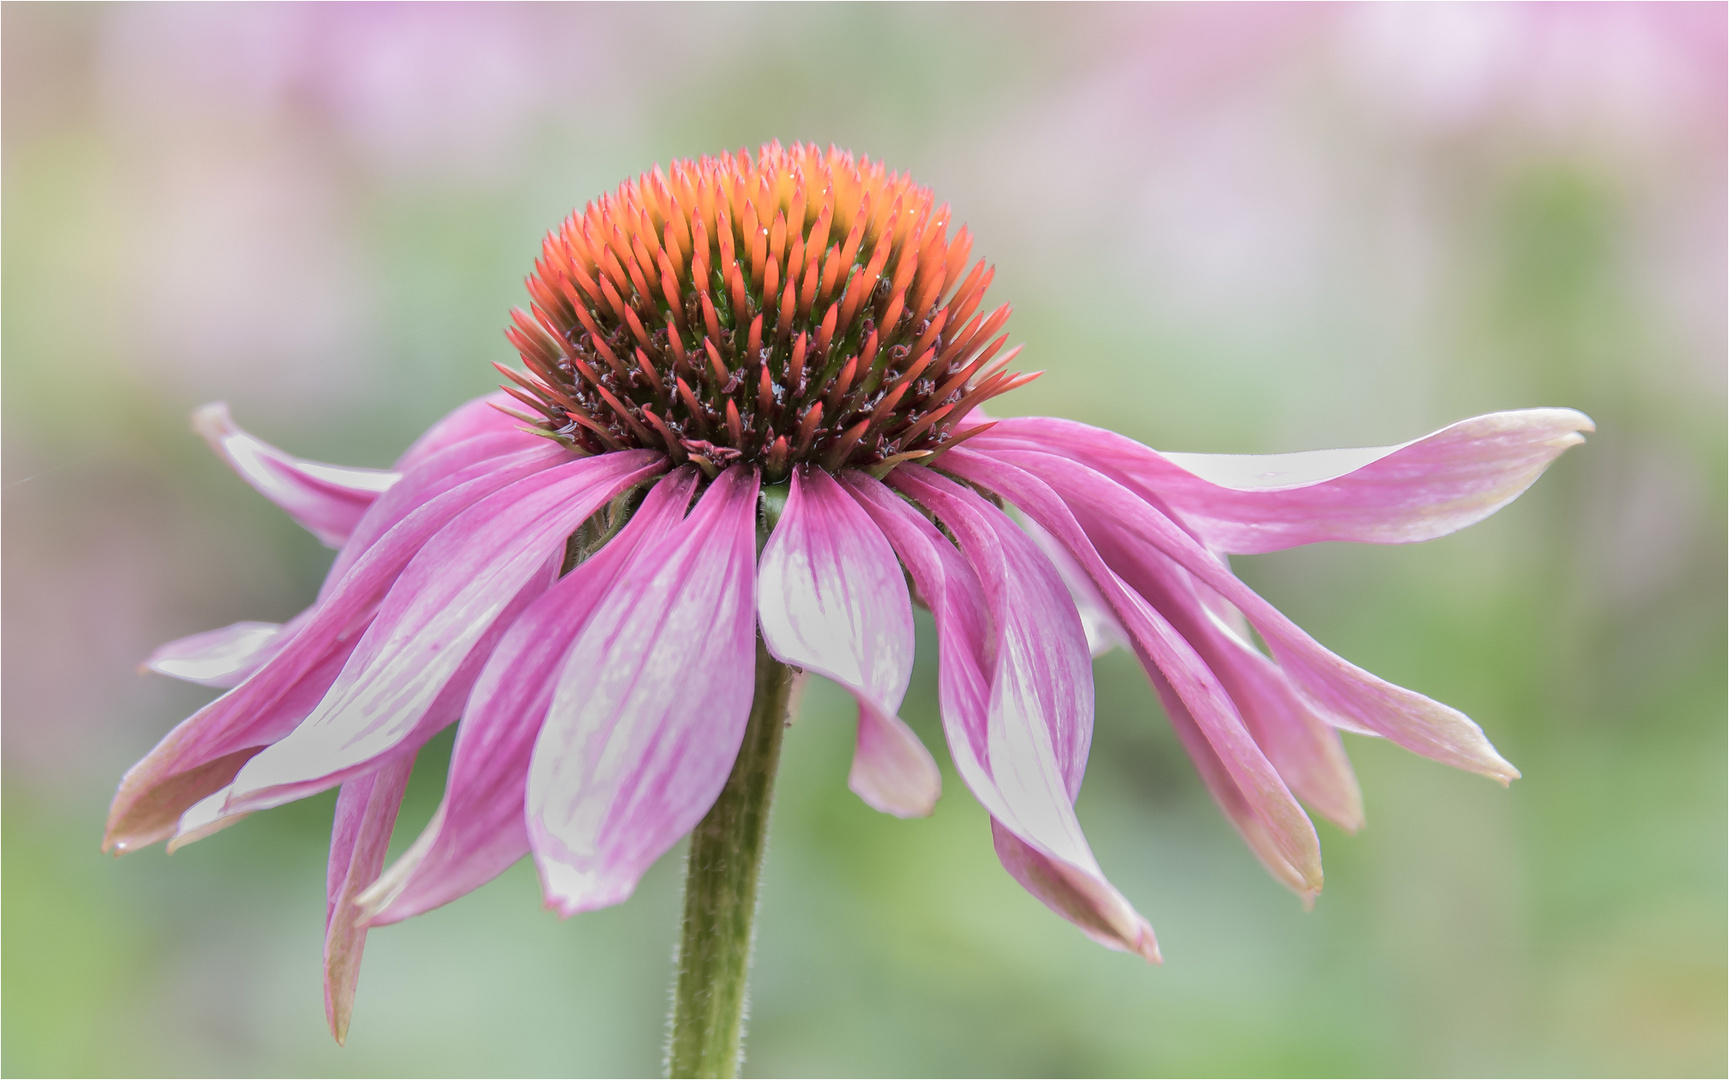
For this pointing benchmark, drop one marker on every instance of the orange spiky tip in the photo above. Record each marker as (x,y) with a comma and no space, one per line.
(801,307)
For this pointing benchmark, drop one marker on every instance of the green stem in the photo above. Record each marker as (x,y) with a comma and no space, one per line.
(720,892)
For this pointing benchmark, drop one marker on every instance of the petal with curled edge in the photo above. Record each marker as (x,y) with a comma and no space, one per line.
(439,619)
(479,829)
(326,499)
(1244,504)
(831,599)
(203,752)
(1016,691)
(1345,694)
(650,710)
(366,810)
(1246,785)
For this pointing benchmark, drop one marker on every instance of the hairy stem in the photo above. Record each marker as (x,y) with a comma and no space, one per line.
(726,852)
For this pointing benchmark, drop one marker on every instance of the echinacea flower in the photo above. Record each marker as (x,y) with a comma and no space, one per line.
(749,418)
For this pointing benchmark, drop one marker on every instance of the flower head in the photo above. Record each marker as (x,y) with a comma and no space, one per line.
(773,311)
(748,384)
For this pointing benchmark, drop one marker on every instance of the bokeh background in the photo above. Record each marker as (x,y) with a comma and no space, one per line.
(1232,229)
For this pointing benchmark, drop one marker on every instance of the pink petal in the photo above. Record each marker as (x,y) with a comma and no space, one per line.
(1041,670)
(1296,739)
(366,812)
(479,829)
(1016,691)
(183,768)
(651,707)
(204,818)
(831,599)
(948,586)
(1243,504)
(1104,633)
(1268,843)
(202,755)
(503,456)
(1246,785)
(222,657)
(1345,694)
(326,499)
(1084,899)
(437,624)
(891,769)
(468,420)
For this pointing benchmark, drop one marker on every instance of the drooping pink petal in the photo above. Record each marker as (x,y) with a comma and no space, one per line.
(1085,899)
(831,599)
(326,499)
(203,753)
(1296,739)
(499,455)
(225,656)
(1016,691)
(1345,694)
(1246,784)
(1214,769)
(649,712)
(477,417)
(1104,633)
(227,807)
(1243,504)
(366,811)
(892,771)
(201,756)
(1040,667)
(480,829)
(205,818)
(950,588)
(438,622)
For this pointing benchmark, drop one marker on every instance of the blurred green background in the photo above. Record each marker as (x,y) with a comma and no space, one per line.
(1233,229)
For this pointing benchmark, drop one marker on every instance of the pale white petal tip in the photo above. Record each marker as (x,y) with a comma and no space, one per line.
(891,769)
(1496,767)
(205,817)
(1145,945)
(212,421)
(1304,882)
(376,899)
(1350,820)
(904,801)
(218,658)
(568,891)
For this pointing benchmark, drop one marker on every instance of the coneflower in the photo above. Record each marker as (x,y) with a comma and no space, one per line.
(748,417)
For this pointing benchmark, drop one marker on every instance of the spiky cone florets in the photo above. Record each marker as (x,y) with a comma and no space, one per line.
(802,307)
